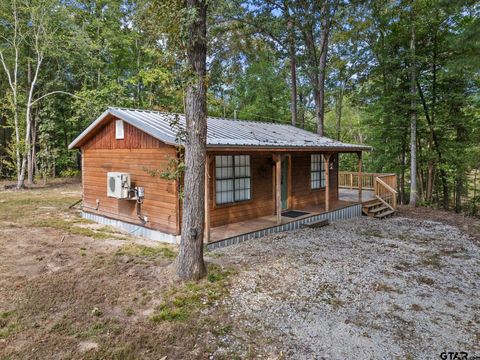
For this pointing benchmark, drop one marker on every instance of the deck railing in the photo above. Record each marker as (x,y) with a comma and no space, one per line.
(383,185)
(385,193)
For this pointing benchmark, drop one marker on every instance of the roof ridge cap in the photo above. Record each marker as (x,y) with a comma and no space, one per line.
(208,116)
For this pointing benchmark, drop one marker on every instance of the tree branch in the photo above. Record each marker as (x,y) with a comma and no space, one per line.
(53,93)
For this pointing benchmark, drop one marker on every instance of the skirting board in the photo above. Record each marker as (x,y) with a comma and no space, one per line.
(133,229)
(339,214)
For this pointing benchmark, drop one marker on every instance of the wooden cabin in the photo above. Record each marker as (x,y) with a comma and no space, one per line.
(260,177)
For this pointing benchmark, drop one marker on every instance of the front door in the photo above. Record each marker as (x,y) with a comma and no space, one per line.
(284,183)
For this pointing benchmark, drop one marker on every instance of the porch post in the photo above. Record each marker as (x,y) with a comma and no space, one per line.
(207,199)
(326,158)
(360,176)
(278,187)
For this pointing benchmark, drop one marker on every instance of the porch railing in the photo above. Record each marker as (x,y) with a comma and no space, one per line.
(383,185)
(385,193)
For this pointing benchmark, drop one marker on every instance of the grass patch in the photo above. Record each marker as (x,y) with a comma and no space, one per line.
(129,312)
(327,293)
(7,314)
(432,261)
(47,208)
(107,229)
(403,237)
(425,280)
(381,287)
(66,327)
(95,329)
(150,252)
(371,233)
(416,307)
(36,203)
(169,314)
(222,330)
(71,227)
(9,329)
(8,325)
(180,303)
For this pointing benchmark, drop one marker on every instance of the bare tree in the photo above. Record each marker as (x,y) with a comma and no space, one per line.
(12,75)
(189,263)
(32,29)
(413,121)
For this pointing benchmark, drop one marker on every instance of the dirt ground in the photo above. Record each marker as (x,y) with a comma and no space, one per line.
(72,289)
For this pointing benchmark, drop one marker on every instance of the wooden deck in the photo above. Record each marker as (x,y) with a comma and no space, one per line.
(347,197)
(352,195)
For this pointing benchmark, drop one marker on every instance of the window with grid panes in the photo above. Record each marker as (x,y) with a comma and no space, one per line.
(317,171)
(232,178)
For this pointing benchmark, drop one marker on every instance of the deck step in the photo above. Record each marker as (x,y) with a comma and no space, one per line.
(384,214)
(378,209)
(372,204)
(318,224)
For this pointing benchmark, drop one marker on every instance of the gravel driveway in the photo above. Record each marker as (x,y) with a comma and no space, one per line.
(357,289)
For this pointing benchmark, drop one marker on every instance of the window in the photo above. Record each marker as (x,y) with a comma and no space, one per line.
(118,129)
(232,178)
(317,171)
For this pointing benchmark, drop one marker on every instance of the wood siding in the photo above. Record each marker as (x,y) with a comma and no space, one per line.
(138,152)
(104,138)
(261,203)
(301,193)
(135,154)
(263,189)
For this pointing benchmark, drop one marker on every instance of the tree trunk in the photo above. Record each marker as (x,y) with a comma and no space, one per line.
(320,108)
(446,197)
(293,72)
(458,193)
(474,205)
(420,177)
(12,78)
(430,181)
(302,109)
(31,155)
(402,174)
(18,160)
(338,110)
(413,122)
(189,263)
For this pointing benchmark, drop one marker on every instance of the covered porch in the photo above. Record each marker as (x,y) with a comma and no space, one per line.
(346,199)
(282,190)
(352,196)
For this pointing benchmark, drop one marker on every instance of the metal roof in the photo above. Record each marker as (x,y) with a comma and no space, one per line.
(222,132)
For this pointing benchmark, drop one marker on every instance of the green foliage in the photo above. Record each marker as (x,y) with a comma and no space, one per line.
(8,324)
(132,54)
(70,173)
(146,251)
(192,297)
(73,227)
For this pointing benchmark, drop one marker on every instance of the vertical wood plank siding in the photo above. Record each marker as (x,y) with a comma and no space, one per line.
(263,200)
(302,195)
(261,203)
(134,154)
(139,151)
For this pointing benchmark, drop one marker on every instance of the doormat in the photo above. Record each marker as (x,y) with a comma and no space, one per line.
(294,213)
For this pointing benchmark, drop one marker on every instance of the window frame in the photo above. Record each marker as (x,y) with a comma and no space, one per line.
(233,178)
(119,130)
(321,173)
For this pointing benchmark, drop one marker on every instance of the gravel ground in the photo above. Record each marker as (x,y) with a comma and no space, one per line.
(363,288)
